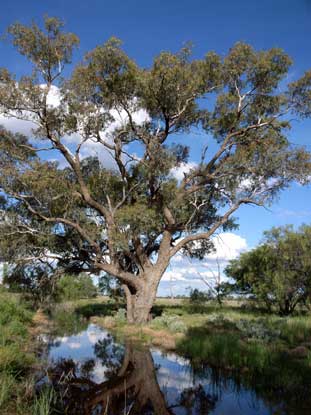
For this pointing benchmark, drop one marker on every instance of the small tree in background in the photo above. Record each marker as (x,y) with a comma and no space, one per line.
(75,287)
(37,283)
(198,299)
(111,287)
(44,284)
(277,272)
(130,218)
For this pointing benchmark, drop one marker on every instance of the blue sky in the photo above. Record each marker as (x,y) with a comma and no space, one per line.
(148,27)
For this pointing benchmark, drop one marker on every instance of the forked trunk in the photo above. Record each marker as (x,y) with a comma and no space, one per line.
(139,304)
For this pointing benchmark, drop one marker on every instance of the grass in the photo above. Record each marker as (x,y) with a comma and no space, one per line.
(17,357)
(44,403)
(266,353)
(173,319)
(14,336)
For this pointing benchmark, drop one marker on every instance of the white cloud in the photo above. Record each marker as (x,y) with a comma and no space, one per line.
(175,275)
(228,245)
(74,345)
(99,372)
(183,168)
(16,126)
(89,148)
(184,272)
(94,335)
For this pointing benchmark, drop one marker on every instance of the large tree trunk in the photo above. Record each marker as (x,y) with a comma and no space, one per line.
(139,303)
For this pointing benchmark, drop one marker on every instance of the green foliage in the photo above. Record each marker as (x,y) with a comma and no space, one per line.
(198,300)
(197,296)
(111,287)
(120,316)
(278,272)
(14,319)
(66,321)
(75,287)
(12,311)
(36,283)
(48,50)
(16,358)
(43,404)
(88,217)
(7,383)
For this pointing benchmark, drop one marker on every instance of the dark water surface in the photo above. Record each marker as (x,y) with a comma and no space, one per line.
(96,375)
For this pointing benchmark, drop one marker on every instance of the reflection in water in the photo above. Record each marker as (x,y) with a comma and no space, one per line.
(95,375)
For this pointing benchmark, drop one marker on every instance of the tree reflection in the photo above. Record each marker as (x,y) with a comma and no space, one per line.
(197,401)
(131,386)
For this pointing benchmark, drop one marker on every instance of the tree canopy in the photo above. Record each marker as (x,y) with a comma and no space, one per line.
(111,202)
(277,272)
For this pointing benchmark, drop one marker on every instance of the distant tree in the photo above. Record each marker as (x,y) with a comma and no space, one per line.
(111,287)
(74,287)
(198,299)
(36,283)
(44,284)
(130,219)
(277,272)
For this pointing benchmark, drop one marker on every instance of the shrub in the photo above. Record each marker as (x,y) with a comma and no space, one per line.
(198,300)
(120,315)
(10,310)
(75,287)
(199,297)
(277,272)
(258,329)
(13,360)
(170,322)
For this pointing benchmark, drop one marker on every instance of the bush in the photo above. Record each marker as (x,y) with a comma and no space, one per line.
(13,360)
(75,287)
(258,330)
(120,315)
(198,300)
(277,272)
(11,310)
(170,322)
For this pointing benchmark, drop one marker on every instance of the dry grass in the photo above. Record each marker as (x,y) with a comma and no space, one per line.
(143,334)
(41,324)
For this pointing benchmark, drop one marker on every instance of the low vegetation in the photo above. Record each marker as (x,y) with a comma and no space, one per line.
(19,363)
(44,286)
(179,320)
(74,287)
(260,350)
(16,357)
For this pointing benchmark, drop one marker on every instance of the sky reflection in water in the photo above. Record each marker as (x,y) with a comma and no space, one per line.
(153,382)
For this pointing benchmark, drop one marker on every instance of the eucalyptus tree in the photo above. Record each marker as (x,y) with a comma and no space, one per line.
(129,217)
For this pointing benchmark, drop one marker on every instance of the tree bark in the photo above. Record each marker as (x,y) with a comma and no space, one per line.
(139,304)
